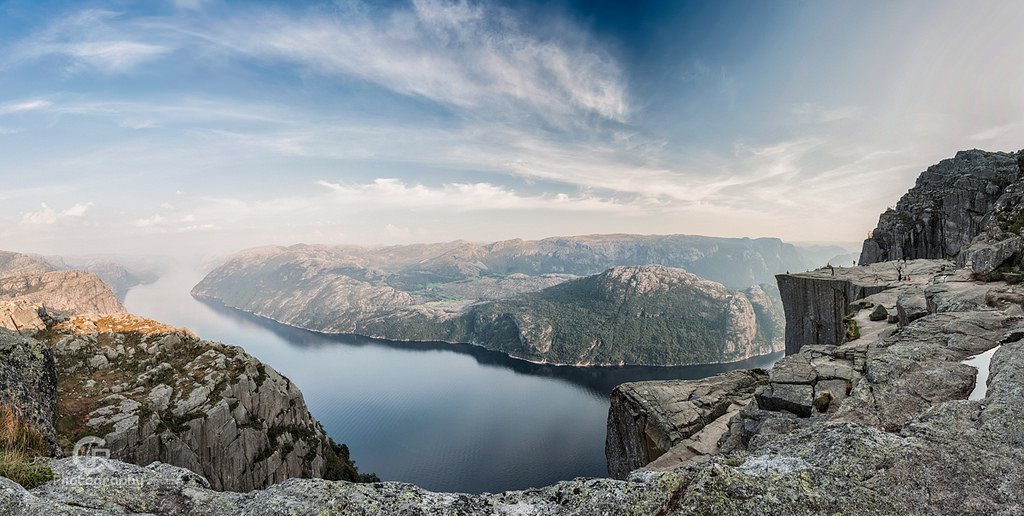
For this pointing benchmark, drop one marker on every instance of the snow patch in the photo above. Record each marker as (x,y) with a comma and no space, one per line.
(981,362)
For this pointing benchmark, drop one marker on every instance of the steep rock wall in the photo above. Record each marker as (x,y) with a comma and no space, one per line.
(815,308)
(817,302)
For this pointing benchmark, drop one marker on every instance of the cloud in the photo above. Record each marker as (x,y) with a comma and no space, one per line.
(809,112)
(155,220)
(89,39)
(48,216)
(161,224)
(459,54)
(993,133)
(191,5)
(109,56)
(395,193)
(24,105)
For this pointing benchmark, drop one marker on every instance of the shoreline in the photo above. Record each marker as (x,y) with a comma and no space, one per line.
(213,300)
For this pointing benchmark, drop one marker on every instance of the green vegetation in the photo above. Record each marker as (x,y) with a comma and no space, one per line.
(597,320)
(1008,272)
(20,447)
(852,330)
(338,465)
(174,423)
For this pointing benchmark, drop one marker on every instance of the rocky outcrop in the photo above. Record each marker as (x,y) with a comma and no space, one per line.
(1000,243)
(647,420)
(116,276)
(163,489)
(75,292)
(945,210)
(28,384)
(817,303)
(20,315)
(156,393)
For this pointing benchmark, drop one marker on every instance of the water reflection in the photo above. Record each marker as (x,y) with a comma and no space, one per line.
(598,380)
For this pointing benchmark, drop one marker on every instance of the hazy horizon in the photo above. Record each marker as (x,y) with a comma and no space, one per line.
(203,127)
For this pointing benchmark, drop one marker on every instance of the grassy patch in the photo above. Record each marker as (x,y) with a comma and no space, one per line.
(20,446)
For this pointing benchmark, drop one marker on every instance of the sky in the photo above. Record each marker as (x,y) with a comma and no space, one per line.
(164,127)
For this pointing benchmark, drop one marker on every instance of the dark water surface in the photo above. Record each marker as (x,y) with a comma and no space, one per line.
(444,417)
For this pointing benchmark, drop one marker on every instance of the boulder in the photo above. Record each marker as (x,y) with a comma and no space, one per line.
(798,399)
(878,314)
(911,307)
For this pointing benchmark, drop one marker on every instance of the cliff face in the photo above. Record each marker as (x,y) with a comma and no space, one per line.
(156,393)
(945,210)
(817,302)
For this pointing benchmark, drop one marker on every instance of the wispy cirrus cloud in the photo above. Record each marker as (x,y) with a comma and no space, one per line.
(809,112)
(90,39)
(22,106)
(459,54)
(390,193)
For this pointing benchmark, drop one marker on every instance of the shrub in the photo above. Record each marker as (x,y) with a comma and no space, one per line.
(852,330)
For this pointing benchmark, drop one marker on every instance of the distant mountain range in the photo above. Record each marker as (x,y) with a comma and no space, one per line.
(571,300)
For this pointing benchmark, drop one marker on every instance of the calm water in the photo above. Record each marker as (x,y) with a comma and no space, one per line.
(447,418)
